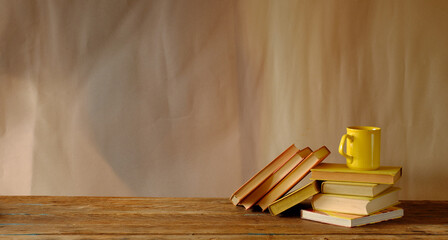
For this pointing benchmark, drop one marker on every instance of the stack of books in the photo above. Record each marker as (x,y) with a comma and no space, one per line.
(278,177)
(339,195)
(352,197)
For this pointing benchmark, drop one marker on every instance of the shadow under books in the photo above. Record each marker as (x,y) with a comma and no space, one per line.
(293,212)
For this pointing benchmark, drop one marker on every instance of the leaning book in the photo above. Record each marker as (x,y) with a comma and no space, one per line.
(264,174)
(294,177)
(267,185)
(351,220)
(294,198)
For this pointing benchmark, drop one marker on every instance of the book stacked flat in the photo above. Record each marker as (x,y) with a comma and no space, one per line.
(278,177)
(351,197)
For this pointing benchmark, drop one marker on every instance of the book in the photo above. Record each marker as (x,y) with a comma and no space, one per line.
(263,174)
(353,188)
(351,220)
(293,177)
(340,172)
(355,204)
(292,199)
(267,185)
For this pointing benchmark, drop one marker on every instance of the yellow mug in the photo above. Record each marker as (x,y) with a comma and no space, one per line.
(363,147)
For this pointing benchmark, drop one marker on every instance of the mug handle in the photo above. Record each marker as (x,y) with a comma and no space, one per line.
(341,148)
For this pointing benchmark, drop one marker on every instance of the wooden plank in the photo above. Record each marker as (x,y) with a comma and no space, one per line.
(33,216)
(68,228)
(224,237)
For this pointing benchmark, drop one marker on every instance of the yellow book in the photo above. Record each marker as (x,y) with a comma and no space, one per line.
(355,204)
(351,220)
(294,198)
(340,172)
(353,188)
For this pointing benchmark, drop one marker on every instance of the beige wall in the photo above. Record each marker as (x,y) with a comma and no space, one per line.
(190,98)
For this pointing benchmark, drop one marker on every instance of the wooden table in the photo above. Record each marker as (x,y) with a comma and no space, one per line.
(38,217)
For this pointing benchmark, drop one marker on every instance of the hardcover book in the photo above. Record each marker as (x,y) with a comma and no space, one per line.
(294,198)
(297,174)
(353,188)
(262,175)
(340,172)
(267,185)
(355,204)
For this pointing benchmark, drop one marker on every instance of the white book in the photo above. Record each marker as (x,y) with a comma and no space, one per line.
(351,220)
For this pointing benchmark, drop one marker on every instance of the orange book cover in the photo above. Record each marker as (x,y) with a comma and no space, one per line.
(297,174)
(267,185)
(264,174)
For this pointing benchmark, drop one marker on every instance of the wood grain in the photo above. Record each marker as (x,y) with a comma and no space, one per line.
(41,217)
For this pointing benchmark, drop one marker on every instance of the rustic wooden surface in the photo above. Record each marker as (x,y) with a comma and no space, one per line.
(39,217)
